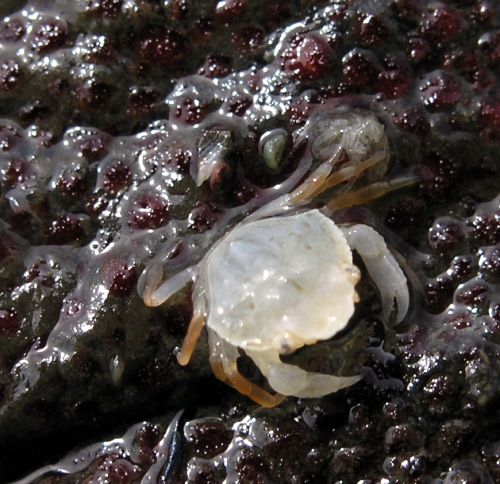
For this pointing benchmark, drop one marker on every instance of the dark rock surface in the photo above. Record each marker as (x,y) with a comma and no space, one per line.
(130,134)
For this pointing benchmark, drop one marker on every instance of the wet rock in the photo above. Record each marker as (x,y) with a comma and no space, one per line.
(111,109)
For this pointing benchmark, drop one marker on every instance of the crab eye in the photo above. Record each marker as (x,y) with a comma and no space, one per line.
(272,145)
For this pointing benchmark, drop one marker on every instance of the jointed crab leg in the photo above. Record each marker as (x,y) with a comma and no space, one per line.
(251,390)
(292,380)
(383,269)
(223,358)
(366,194)
(156,292)
(316,183)
(193,333)
(321,180)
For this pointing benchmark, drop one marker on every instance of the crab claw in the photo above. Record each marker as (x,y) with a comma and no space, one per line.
(292,380)
(383,269)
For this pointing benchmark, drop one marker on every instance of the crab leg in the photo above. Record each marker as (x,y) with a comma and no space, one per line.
(190,340)
(367,194)
(223,358)
(156,292)
(321,180)
(292,380)
(316,183)
(194,329)
(383,269)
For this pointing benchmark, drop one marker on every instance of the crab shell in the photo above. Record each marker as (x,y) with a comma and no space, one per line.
(279,283)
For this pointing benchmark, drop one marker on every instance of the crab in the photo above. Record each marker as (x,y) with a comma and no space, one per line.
(284,277)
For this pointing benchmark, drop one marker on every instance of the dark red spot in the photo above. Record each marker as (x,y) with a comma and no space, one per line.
(417,49)
(473,293)
(180,160)
(9,137)
(439,292)
(459,320)
(12,29)
(446,236)
(148,212)
(209,437)
(117,177)
(93,146)
(489,262)
(413,120)
(442,23)
(358,67)
(454,435)
(486,229)
(230,10)
(308,57)
(179,9)
(215,66)
(111,8)
(489,117)
(403,437)
(64,230)
(252,467)
(439,388)
(191,111)
(205,472)
(120,471)
(437,177)
(145,440)
(167,48)
(17,171)
(298,112)
(48,36)
(72,186)
(394,411)
(10,323)
(238,104)
(394,83)
(440,90)
(97,50)
(462,267)
(482,78)
(242,193)
(119,277)
(10,73)
(348,460)
(373,30)
(203,216)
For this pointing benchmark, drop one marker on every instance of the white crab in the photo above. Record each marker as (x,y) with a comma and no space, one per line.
(284,278)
